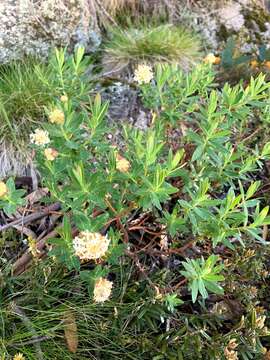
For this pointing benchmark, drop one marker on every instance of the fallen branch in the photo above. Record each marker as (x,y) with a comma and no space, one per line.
(32,217)
(24,261)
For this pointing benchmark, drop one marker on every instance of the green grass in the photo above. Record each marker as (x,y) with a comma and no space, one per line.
(45,293)
(164,43)
(128,327)
(23,96)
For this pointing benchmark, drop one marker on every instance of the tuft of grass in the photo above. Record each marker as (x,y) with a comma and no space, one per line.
(22,98)
(164,43)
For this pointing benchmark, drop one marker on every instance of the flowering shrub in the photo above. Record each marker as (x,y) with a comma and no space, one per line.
(194,172)
(101,185)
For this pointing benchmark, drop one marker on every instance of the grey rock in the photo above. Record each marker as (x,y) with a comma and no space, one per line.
(34,27)
(246,20)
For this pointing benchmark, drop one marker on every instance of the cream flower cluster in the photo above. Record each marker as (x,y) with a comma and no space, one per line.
(143,74)
(122,164)
(102,290)
(230,352)
(3,189)
(64,98)
(89,245)
(212,59)
(57,117)
(40,137)
(50,154)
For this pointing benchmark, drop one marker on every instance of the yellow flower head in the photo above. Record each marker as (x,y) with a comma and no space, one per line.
(88,245)
(260,321)
(32,245)
(19,356)
(64,98)
(122,164)
(232,344)
(230,354)
(143,74)
(3,189)
(218,60)
(40,137)
(57,117)
(254,64)
(212,59)
(50,154)
(102,290)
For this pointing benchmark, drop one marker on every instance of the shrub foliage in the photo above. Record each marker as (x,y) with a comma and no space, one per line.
(194,176)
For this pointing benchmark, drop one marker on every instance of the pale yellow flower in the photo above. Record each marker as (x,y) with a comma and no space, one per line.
(254,64)
(218,60)
(40,137)
(122,164)
(50,154)
(88,245)
(102,290)
(57,117)
(19,356)
(232,344)
(3,189)
(32,245)
(230,354)
(267,64)
(64,98)
(143,74)
(260,321)
(212,59)
(253,291)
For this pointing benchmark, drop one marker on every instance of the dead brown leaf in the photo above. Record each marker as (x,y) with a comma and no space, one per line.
(36,195)
(71,331)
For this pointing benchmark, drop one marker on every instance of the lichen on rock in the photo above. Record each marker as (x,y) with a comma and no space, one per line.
(248,21)
(35,26)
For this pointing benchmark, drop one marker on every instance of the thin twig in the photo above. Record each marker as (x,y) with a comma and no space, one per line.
(32,341)
(24,261)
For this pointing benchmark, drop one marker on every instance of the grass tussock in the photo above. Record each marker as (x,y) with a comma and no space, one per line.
(23,96)
(164,43)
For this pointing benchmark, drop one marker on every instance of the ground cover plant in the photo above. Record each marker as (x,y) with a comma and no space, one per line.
(155,246)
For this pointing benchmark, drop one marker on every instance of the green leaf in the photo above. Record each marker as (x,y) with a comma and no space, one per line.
(197,153)
(194,290)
